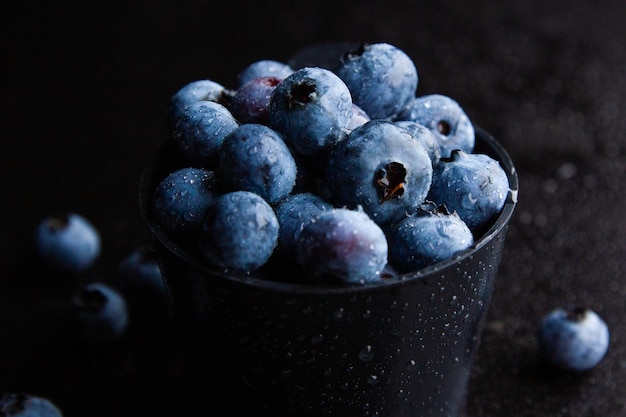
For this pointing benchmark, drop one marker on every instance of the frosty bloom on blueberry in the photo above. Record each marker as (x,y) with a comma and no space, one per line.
(443,116)
(200,131)
(239,232)
(573,338)
(311,108)
(199,90)
(473,185)
(381,168)
(381,78)
(255,158)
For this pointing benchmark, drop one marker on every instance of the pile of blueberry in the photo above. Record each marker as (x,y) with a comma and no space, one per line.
(340,170)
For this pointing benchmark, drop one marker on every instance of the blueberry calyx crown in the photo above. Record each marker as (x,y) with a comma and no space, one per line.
(391,179)
(575,313)
(302,93)
(354,53)
(444,127)
(92,300)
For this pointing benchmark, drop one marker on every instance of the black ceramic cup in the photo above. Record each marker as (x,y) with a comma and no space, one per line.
(401,348)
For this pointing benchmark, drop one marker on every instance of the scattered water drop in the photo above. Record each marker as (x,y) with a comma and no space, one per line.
(366,354)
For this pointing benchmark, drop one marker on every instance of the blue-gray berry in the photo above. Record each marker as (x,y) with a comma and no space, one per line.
(180,200)
(200,131)
(343,245)
(239,232)
(382,78)
(68,242)
(573,338)
(312,109)
(381,168)
(472,184)
(429,235)
(255,158)
(445,117)
(98,314)
(199,90)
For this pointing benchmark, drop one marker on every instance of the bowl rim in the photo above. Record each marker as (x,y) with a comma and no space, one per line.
(495,149)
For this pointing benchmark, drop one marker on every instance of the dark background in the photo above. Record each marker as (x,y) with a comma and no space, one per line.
(85,88)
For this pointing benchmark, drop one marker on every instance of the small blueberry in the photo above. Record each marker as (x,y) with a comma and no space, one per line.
(443,116)
(381,168)
(180,200)
(312,109)
(429,235)
(199,90)
(138,278)
(67,242)
(239,232)
(382,78)
(573,338)
(98,314)
(472,184)
(343,245)
(255,158)
(200,130)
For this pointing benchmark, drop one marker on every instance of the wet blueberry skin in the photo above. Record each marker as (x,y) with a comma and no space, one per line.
(264,68)
(180,200)
(429,235)
(293,213)
(200,131)
(22,404)
(312,109)
(445,117)
(381,168)
(423,135)
(250,102)
(381,78)
(573,338)
(67,242)
(255,158)
(98,314)
(239,233)
(192,92)
(344,245)
(474,185)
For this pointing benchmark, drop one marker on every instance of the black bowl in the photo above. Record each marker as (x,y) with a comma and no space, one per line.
(400,348)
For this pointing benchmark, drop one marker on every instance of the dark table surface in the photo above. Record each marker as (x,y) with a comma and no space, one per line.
(85,90)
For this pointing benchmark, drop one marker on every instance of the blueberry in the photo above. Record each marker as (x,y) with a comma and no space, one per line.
(382,168)
(381,78)
(573,338)
(293,213)
(343,245)
(473,185)
(180,200)
(239,233)
(199,90)
(264,68)
(139,280)
(445,118)
(21,404)
(68,242)
(312,109)
(98,314)
(423,135)
(429,235)
(200,130)
(250,102)
(255,158)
